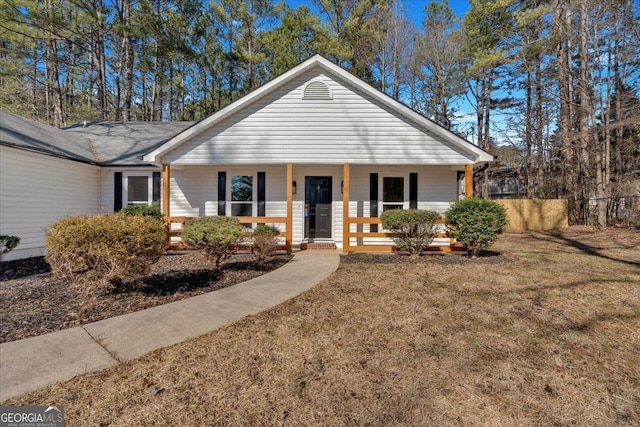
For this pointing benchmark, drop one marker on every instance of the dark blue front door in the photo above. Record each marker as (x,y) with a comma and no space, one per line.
(317,212)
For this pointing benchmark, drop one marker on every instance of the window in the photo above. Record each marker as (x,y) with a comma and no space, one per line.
(241,195)
(392,193)
(138,189)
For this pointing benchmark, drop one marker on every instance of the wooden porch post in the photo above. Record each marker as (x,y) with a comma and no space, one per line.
(166,185)
(468,180)
(345,209)
(289,223)
(166,197)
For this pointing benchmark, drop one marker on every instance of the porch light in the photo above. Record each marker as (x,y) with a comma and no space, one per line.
(295,187)
(341,187)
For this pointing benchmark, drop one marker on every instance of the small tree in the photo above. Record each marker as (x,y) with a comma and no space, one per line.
(7,244)
(476,223)
(265,242)
(215,236)
(413,229)
(108,248)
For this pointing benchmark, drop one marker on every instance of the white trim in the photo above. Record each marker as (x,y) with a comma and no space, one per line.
(254,189)
(475,154)
(125,187)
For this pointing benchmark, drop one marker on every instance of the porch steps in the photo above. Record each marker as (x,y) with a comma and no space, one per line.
(317,246)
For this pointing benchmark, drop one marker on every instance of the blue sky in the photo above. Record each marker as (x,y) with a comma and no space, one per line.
(413,7)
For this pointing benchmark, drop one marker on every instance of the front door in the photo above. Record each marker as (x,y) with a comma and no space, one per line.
(317,207)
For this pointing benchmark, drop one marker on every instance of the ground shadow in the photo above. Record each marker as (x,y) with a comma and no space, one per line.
(585,248)
(20,268)
(172,282)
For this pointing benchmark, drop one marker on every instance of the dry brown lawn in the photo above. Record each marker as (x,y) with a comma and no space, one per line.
(546,332)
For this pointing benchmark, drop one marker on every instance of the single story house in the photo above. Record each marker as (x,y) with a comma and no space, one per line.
(48,173)
(316,151)
(319,153)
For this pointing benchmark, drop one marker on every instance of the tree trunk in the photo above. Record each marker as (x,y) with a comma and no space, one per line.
(583,114)
(562,25)
(128,52)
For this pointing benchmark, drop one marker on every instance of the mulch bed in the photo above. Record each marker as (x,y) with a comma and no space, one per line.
(33,302)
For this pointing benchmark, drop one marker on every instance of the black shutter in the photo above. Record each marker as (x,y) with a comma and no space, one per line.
(373,200)
(413,191)
(222,193)
(117,191)
(156,188)
(262,191)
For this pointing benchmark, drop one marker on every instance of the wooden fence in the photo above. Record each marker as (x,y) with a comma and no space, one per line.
(535,215)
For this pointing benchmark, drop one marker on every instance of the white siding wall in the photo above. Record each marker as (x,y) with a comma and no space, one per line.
(281,127)
(194,190)
(37,190)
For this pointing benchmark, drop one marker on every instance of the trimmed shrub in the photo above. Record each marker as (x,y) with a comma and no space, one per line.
(265,242)
(7,244)
(476,223)
(413,229)
(152,210)
(215,236)
(110,248)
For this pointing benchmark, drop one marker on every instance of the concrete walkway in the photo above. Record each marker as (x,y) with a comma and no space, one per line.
(33,363)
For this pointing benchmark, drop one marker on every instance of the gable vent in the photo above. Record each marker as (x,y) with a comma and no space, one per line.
(316,90)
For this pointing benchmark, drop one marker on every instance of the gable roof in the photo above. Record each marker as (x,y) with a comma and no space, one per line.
(124,143)
(26,134)
(409,115)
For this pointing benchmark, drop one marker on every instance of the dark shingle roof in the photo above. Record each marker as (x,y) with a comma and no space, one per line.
(103,143)
(27,134)
(121,143)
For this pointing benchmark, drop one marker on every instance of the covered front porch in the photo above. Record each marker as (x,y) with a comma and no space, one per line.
(338,203)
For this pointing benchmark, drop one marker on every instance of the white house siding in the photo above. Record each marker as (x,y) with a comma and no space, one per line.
(194,190)
(37,190)
(281,127)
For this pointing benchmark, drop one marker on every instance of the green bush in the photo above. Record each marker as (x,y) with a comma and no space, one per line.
(8,243)
(216,236)
(104,248)
(152,210)
(476,223)
(413,229)
(265,242)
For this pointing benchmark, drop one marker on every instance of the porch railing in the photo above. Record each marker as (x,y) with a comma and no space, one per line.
(175,225)
(451,246)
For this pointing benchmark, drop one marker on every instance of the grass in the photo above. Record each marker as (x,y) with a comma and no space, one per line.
(546,333)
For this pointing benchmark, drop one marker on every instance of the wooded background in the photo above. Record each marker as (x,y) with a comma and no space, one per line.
(552,85)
